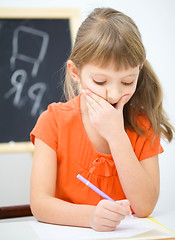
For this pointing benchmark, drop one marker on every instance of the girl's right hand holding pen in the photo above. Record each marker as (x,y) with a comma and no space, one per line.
(107,215)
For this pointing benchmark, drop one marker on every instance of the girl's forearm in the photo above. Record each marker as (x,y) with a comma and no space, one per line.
(55,211)
(135,181)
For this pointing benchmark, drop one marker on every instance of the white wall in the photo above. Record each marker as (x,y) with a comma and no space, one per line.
(156,22)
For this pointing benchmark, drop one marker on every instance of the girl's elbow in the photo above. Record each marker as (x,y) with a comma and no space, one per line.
(35,209)
(144,211)
(143,214)
(146,208)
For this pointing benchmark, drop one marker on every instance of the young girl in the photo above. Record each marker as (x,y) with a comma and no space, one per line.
(109,131)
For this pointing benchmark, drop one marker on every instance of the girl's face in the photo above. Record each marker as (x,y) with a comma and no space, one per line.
(109,83)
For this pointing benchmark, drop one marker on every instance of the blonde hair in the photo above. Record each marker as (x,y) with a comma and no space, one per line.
(109,35)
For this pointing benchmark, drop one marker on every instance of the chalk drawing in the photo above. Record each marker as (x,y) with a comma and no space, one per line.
(42,51)
(36,92)
(18,80)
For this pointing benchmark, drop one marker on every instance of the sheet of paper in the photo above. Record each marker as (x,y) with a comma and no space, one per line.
(130,226)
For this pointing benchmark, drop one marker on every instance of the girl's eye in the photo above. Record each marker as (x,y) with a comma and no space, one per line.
(127,84)
(98,83)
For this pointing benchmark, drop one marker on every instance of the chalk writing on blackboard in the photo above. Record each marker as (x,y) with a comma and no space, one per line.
(32,55)
(19,77)
(42,50)
(17,89)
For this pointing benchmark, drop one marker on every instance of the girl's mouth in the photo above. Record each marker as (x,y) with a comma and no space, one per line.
(114,105)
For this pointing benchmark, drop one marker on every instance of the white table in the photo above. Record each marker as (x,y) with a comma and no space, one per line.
(20,229)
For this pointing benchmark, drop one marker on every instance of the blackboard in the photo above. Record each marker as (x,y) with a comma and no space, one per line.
(33,52)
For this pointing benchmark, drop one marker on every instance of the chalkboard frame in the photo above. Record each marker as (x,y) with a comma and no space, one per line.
(72,14)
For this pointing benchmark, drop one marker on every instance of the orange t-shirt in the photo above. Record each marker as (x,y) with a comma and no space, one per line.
(62,129)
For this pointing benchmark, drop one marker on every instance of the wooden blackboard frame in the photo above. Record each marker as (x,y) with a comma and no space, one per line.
(72,14)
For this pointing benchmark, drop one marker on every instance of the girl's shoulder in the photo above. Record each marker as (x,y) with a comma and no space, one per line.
(143,122)
(52,121)
(64,106)
(145,145)
(70,107)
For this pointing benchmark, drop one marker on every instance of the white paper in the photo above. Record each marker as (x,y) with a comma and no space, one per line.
(129,227)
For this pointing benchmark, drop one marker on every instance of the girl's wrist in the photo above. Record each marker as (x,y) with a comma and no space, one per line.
(91,216)
(118,141)
(116,138)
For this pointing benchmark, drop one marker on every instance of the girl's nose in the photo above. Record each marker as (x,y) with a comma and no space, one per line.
(113,95)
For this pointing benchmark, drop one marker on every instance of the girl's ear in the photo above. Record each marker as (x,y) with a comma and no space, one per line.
(73,71)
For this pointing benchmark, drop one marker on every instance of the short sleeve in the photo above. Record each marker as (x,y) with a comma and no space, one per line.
(46,128)
(145,146)
(150,146)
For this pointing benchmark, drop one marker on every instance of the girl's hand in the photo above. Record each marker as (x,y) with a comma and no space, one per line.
(108,215)
(106,119)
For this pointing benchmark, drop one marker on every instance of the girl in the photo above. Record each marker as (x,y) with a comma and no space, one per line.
(109,131)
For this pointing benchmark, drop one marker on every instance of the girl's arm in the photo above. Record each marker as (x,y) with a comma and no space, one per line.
(46,208)
(140,180)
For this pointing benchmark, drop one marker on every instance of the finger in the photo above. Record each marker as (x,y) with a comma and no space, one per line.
(123,100)
(97,98)
(123,210)
(124,202)
(92,102)
(108,223)
(103,228)
(113,216)
(117,208)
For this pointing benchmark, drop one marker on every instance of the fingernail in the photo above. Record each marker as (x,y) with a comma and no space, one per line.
(88,91)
